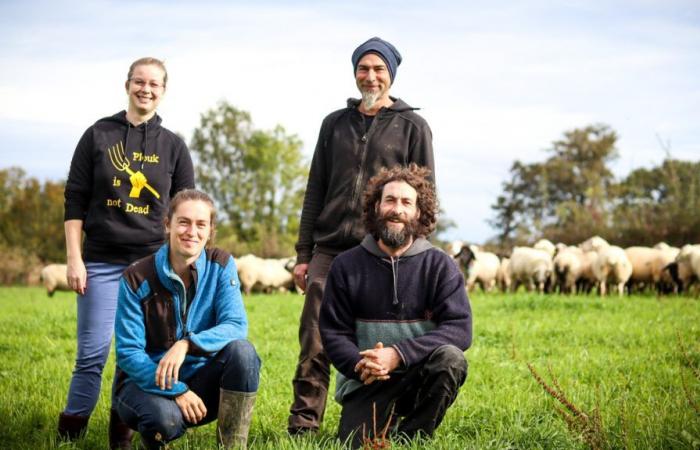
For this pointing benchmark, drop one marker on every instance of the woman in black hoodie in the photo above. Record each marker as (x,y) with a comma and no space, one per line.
(123,173)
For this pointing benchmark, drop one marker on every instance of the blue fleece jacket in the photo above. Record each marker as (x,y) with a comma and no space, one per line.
(144,332)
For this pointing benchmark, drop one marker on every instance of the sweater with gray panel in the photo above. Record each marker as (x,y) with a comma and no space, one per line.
(415,302)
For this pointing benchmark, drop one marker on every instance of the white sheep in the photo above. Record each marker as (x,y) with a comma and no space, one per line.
(266,275)
(568,264)
(546,245)
(531,267)
(503,277)
(484,270)
(55,278)
(612,266)
(596,244)
(478,266)
(649,265)
(688,260)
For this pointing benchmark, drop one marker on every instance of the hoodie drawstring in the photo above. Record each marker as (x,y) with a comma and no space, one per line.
(143,145)
(395,273)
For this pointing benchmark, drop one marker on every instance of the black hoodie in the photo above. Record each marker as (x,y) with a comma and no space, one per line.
(121,222)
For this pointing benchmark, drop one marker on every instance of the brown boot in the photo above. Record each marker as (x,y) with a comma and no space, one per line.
(119,433)
(71,427)
(235,415)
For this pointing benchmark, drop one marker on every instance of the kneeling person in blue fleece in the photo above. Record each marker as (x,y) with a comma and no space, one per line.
(182,354)
(395,318)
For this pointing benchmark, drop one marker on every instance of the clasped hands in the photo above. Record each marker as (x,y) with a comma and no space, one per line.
(190,404)
(377,363)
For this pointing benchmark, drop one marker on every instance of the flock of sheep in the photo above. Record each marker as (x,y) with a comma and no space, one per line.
(255,274)
(545,267)
(594,263)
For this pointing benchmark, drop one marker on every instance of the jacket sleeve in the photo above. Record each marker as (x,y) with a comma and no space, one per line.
(231,320)
(421,151)
(452,315)
(337,325)
(80,179)
(130,336)
(314,196)
(183,175)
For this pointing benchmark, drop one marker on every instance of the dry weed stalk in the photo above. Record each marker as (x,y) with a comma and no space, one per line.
(694,370)
(377,442)
(588,426)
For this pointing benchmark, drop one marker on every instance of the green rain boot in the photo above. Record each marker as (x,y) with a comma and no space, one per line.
(235,415)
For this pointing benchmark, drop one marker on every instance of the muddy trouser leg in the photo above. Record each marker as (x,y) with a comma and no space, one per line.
(420,396)
(312,375)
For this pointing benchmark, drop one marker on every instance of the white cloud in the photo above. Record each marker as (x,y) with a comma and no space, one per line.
(496,83)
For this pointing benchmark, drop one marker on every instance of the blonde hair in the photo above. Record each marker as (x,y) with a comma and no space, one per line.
(145,62)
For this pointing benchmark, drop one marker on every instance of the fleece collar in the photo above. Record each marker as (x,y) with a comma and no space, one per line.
(165,271)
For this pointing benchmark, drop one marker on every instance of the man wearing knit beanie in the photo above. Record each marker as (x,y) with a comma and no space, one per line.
(354,143)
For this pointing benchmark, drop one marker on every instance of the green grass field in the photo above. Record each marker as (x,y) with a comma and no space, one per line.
(619,357)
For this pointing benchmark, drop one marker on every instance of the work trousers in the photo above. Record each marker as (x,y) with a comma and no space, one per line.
(419,396)
(313,371)
(159,420)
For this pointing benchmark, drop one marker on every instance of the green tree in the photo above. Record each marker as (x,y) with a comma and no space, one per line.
(256,177)
(563,198)
(659,204)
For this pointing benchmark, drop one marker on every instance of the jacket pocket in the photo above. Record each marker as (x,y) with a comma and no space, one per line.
(159,322)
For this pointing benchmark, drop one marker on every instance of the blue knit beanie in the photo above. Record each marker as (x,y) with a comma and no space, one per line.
(384,49)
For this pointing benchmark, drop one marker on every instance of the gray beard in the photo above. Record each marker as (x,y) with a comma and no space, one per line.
(369,99)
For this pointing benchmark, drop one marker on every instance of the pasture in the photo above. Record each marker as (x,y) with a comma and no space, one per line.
(627,363)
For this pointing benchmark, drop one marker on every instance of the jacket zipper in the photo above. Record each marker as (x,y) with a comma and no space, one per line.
(361,173)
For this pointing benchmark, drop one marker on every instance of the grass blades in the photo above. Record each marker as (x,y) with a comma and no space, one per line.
(630,361)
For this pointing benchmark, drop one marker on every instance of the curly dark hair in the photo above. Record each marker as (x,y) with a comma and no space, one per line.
(417,177)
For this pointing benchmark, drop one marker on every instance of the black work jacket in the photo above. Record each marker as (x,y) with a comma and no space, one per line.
(347,155)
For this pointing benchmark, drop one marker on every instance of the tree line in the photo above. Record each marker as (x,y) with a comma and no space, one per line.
(257,178)
(573,195)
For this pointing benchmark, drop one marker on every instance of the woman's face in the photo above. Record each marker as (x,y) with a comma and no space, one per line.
(145,89)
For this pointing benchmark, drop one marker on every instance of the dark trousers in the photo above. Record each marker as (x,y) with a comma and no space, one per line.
(313,371)
(158,419)
(420,397)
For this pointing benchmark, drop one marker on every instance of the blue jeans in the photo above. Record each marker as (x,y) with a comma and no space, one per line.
(96,312)
(236,367)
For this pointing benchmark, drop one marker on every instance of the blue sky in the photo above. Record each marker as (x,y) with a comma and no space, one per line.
(497,81)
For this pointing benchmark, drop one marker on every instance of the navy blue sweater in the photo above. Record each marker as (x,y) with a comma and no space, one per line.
(416,303)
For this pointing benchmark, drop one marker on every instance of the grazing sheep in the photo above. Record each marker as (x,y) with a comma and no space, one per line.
(612,266)
(265,275)
(531,267)
(587,279)
(594,244)
(478,267)
(568,263)
(453,248)
(546,245)
(688,261)
(648,266)
(503,277)
(55,278)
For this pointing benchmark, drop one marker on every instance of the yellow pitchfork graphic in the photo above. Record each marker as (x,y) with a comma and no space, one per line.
(137,179)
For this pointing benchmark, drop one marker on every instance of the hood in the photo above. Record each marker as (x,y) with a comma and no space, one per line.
(150,127)
(120,118)
(398,105)
(419,246)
